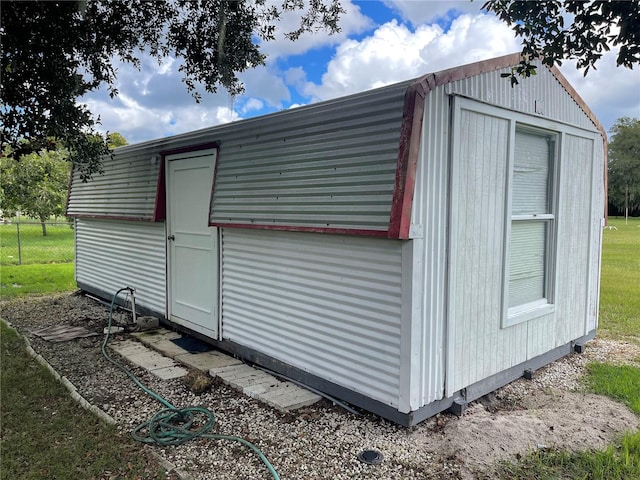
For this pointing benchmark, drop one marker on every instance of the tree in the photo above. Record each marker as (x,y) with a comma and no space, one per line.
(557,30)
(115,139)
(35,184)
(624,164)
(55,52)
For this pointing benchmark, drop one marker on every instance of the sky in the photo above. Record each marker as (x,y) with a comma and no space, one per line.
(380,43)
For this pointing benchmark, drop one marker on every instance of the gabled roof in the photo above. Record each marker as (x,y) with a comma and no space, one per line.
(345,166)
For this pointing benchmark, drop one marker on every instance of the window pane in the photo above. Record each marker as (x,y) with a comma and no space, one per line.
(531,174)
(527,262)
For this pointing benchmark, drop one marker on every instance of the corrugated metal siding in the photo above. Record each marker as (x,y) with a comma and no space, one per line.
(327,165)
(127,188)
(115,254)
(328,304)
(430,213)
(541,95)
(333,166)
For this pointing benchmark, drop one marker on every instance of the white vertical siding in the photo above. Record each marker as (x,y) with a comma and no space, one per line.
(330,305)
(479,347)
(115,254)
(575,269)
(597,222)
(576,230)
(540,95)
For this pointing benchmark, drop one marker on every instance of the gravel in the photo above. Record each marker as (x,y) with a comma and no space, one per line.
(317,442)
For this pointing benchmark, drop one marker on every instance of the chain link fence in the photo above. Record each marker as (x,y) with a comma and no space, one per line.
(28,242)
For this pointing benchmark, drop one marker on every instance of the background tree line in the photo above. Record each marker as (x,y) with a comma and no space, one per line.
(624,167)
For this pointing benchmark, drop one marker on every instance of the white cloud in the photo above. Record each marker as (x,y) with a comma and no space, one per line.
(137,122)
(418,12)
(610,91)
(265,84)
(353,21)
(153,102)
(395,53)
(252,104)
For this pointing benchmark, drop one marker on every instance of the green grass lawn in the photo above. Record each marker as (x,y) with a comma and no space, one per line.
(46,435)
(620,280)
(42,279)
(621,382)
(35,248)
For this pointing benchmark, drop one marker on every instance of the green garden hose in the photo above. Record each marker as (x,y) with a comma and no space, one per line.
(171,425)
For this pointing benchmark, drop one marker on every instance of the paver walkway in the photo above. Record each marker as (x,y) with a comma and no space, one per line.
(155,352)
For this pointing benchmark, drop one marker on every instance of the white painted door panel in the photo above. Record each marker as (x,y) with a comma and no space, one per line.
(192,245)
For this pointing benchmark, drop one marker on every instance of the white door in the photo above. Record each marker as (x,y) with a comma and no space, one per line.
(192,244)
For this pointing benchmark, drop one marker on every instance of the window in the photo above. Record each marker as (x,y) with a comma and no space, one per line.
(530,263)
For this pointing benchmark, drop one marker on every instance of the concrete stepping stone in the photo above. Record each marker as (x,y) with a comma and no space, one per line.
(250,381)
(152,361)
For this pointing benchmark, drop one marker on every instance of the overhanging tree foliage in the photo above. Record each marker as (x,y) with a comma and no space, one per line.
(557,30)
(624,165)
(55,52)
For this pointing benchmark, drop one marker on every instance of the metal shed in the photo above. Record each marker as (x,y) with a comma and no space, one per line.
(405,249)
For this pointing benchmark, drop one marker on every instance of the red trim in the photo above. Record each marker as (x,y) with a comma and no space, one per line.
(400,217)
(411,133)
(292,228)
(213,185)
(410,136)
(113,217)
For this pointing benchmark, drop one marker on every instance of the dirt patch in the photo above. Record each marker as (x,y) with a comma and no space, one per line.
(575,421)
(551,410)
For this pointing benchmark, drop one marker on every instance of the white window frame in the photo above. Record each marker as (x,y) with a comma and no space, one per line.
(521,313)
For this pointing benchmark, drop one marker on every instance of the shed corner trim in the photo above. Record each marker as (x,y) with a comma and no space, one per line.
(410,136)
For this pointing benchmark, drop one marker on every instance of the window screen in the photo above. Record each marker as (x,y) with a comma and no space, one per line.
(531,218)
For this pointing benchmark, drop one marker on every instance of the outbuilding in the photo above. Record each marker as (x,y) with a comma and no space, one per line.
(406,249)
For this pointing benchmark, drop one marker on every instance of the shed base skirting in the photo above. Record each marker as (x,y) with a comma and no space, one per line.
(467,395)
(456,402)
(471,393)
